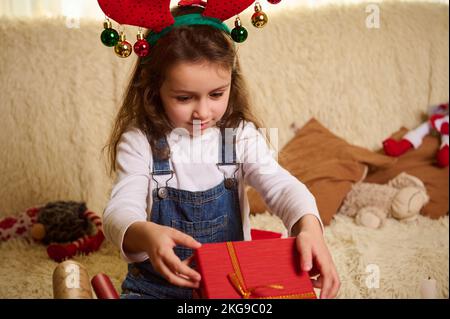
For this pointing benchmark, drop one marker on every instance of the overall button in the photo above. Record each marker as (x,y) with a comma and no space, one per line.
(162,193)
(229,183)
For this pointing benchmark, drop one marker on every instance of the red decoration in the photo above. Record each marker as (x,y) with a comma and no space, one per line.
(267,268)
(142,48)
(103,287)
(156,15)
(274,1)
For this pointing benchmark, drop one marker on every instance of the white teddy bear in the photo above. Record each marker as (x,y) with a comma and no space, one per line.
(370,204)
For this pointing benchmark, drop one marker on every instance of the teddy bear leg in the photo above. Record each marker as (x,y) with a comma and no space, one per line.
(371,217)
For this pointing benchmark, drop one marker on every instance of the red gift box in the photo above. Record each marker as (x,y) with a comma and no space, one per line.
(266,269)
(258,234)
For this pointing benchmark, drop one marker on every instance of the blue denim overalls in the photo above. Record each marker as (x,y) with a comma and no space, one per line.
(209,216)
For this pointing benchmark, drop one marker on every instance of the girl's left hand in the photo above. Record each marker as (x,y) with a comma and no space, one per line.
(315,257)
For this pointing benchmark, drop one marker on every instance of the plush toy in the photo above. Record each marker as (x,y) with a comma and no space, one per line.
(371,204)
(19,226)
(437,123)
(60,222)
(67,228)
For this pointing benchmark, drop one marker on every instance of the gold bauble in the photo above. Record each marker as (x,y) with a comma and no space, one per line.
(123,49)
(259,19)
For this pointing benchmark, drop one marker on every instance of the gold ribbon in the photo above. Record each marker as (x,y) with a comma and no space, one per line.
(237,280)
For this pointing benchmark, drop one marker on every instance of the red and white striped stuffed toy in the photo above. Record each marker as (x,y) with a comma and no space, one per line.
(437,122)
(68,228)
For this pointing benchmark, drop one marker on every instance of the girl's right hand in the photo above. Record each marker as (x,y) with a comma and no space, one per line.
(161,241)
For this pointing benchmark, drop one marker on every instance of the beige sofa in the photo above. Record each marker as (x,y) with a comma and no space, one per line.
(60,88)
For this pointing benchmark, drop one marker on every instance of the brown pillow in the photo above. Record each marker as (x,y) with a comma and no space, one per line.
(326,164)
(422,164)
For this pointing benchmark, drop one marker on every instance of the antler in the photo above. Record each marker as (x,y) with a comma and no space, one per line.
(155,14)
(150,14)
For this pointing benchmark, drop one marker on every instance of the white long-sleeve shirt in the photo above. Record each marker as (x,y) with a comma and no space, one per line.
(193,160)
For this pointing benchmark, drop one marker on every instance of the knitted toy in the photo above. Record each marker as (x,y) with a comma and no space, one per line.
(437,123)
(67,228)
(18,227)
(371,204)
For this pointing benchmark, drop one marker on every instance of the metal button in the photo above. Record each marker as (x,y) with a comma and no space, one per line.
(229,183)
(162,193)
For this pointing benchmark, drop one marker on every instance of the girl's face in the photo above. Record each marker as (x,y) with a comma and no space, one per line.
(195,95)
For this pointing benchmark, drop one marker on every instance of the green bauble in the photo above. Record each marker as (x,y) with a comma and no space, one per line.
(110,37)
(239,34)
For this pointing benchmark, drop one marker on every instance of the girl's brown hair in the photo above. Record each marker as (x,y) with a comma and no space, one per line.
(142,106)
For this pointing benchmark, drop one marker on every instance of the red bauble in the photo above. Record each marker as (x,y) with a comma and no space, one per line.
(274,1)
(142,48)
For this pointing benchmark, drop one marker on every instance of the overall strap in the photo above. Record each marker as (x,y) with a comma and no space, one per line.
(227,156)
(161,166)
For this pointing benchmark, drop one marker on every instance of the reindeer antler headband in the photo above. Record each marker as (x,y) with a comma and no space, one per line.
(156,16)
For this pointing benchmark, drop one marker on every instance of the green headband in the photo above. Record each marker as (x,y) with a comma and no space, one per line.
(189,19)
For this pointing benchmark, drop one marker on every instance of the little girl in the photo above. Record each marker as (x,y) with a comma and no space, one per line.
(183,145)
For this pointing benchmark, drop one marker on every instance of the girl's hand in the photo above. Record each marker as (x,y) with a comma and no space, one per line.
(315,257)
(159,242)
(164,260)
